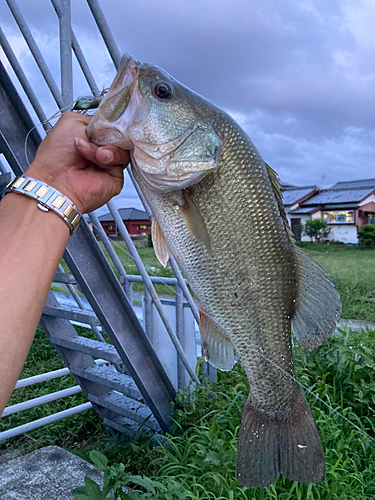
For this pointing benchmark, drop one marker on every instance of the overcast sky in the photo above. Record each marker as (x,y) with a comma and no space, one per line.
(298,75)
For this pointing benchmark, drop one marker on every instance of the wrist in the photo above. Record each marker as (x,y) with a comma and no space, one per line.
(41,172)
(26,214)
(46,199)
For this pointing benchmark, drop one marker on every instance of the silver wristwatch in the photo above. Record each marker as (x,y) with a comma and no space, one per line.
(48,198)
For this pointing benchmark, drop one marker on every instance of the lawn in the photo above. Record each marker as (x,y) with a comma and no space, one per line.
(353,272)
(200,462)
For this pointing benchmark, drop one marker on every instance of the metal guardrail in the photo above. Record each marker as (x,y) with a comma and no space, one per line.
(32,403)
(124,329)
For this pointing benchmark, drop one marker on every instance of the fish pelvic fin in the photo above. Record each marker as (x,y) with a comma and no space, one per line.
(193,220)
(317,306)
(217,348)
(269,446)
(160,245)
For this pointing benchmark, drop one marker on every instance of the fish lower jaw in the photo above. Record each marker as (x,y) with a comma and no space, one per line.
(112,136)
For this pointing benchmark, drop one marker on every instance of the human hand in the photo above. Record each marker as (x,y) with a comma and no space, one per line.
(88,175)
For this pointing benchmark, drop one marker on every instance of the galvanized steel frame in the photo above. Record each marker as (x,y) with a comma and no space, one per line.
(124,331)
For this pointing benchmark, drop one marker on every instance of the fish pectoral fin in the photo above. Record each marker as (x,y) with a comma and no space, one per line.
(200,151)
(269,446)
(160,245)
(217,348)
(193,220)
(317,306)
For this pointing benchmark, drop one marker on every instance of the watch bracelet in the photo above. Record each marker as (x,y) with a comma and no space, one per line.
(48,198)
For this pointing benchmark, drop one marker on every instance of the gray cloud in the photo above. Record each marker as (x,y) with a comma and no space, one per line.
(298,75)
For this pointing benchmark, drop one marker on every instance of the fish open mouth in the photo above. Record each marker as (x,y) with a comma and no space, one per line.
(117,109)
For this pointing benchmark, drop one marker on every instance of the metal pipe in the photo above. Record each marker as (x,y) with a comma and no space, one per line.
(108,246)
(81,305)
(79,54)
(44,377)
(129,290)
(16,431)
(18,17)
(138,262)
(31,403)
(84,66)
(158,280)
(180,332)
(3,168)
(23,80)
(172,262)
(147,320)
(66,67)
(183,284)
(105,31)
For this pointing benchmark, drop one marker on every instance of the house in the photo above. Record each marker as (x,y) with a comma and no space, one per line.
(345,207)
(136,222)
(293,197)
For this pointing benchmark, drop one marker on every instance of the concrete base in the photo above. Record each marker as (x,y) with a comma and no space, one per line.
(46,474)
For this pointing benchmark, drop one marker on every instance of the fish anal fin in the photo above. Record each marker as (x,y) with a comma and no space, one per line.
(194,220)
(160,245)
(218,349)
(317,306)
(269,446)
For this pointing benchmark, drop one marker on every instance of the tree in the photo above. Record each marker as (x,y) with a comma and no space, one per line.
(366,235)
(316,229)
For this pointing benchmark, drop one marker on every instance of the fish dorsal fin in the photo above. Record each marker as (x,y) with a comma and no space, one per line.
(279,198)
(317,306)
(193,219)
(217,348)
(160,245)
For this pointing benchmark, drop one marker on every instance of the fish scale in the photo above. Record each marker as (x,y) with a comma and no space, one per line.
(218,210)
(216,282)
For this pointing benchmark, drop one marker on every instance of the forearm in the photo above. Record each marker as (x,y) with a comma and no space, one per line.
(32,241)
(31,245)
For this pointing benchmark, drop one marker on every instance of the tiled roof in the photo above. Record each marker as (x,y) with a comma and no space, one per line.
(364,183)
(291,196)
(286,185)
(331,196)
(126,214)
(302,210)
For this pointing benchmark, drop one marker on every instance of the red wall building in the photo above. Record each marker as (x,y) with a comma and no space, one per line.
(136,222)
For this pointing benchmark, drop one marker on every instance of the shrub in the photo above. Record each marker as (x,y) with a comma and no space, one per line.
(198,462)
(302,244)
(149,240)
(366,235)
(316,229)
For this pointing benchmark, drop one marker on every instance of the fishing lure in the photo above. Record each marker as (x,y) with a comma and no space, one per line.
(86,103)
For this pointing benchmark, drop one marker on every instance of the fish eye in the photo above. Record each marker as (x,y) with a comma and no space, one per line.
(163,90)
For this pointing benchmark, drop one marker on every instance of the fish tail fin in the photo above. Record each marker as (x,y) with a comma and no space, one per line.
(269,446)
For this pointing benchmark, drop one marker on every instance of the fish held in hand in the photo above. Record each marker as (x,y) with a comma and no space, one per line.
(218,210)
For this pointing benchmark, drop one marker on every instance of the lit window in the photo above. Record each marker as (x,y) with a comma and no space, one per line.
(371,218)
(339,216)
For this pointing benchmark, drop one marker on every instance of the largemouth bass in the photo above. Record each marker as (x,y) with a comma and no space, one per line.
(218,210)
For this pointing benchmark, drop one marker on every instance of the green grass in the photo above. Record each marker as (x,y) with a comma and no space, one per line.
(74,431)
(198,461)
(151,263)
(354,277)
